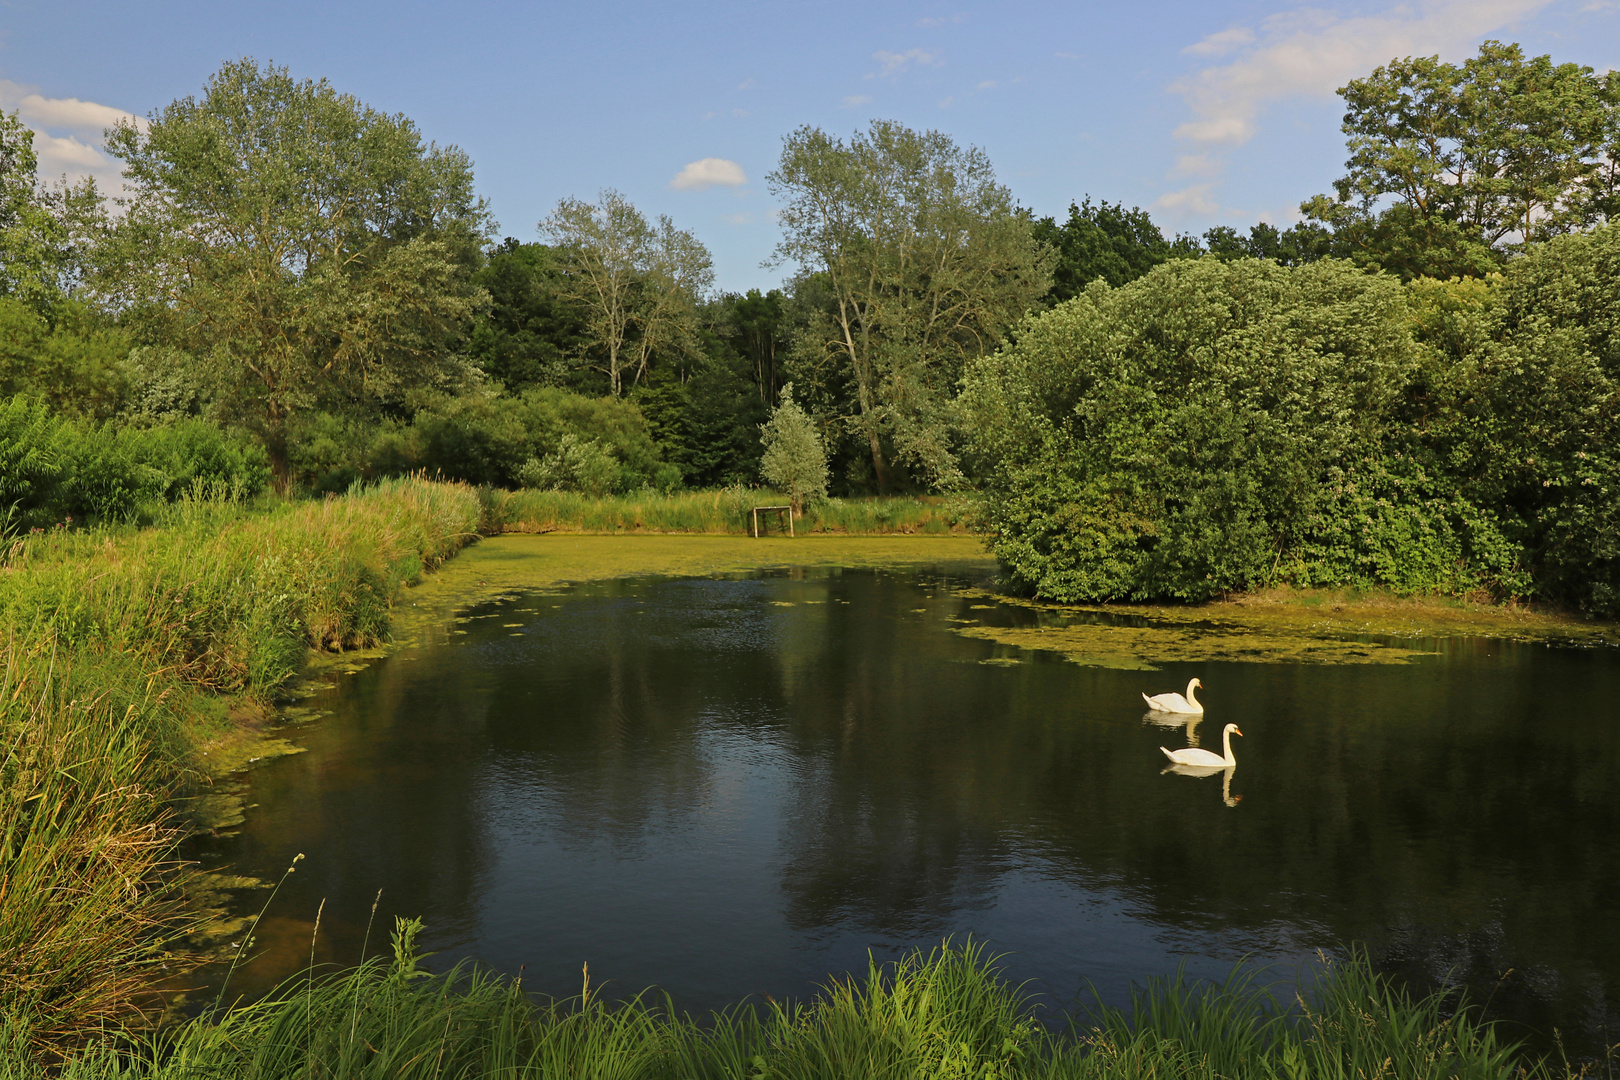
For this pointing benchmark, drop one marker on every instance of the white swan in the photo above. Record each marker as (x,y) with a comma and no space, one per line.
(1173,702)
(1194,756)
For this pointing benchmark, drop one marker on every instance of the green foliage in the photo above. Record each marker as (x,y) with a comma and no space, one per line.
(45,232)
(638,283)
(78,366)
(1104,241)
(54,470)
(1167,439)
(576,465)
(923,263)
(1454,166)
(480,438)
(1296,244)
(304,247)
(1538,427)
(532,333)
(793,458)
(1217,426)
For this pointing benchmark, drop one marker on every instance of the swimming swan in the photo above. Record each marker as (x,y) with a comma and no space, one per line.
(1194,756)
(1173,702)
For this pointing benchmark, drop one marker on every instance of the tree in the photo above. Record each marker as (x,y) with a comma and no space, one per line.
(1105,241)
(44,231)
(1301,243)
(794,459)
(1453,166)
(640,282)
(532,331)
(926,263)
(302,247)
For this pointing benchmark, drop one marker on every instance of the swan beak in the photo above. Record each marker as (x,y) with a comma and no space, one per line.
(1235,731)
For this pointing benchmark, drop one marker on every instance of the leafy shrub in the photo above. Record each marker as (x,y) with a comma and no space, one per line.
(1170,438)
(53,469)
(578,465)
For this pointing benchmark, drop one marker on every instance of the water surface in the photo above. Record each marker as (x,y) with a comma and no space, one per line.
(734,786)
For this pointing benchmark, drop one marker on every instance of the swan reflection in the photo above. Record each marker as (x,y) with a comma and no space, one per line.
(1226,772)
(1190,721)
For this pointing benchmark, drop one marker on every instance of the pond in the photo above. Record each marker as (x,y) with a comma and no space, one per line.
(736,784)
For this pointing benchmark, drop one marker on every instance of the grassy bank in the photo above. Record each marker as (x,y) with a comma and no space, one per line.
(946,1014)
(728,511)
(115,642)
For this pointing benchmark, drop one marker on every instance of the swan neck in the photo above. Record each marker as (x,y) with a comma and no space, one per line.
(1226,746)
(1192,693)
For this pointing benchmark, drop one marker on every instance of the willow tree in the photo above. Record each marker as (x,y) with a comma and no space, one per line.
(298,244)
(927,263)
(641,281)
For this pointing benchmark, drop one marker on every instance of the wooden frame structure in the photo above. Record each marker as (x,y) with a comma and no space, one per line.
(779,509)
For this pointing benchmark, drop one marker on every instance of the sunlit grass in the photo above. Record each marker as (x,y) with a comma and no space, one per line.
(948,1013)
(109,638)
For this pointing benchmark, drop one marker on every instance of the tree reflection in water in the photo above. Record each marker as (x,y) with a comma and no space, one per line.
(736,786)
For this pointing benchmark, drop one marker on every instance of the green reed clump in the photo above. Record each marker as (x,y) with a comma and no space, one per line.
(727,510)
(946,1014)
(110,637)
(89,891)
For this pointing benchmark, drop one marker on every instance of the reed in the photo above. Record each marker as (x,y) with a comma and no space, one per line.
(945,1014)
(726,510)
(111,638)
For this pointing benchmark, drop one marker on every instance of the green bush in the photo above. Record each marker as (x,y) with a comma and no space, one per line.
(53,470)
(1170,438)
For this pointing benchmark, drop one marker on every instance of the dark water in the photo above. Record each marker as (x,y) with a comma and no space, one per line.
(735,787)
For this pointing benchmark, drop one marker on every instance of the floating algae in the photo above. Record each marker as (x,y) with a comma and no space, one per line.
(1142,637)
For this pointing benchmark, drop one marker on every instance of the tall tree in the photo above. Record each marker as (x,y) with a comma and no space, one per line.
(640,281)
(1453,166)
(299,244)
(532,331)
(927,263)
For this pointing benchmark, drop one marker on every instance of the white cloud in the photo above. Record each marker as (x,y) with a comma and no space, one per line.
(988,84)
(896,63)
(709,172)
(936,21)
(1067,55)
(855,101)
(747,84)
(1193,201)
(68,134)
(741,218)
(945,103)
(1222,43)
(1311,53)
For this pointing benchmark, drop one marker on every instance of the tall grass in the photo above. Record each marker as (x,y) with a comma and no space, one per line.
(944,1014)
(727,510)
(110,637)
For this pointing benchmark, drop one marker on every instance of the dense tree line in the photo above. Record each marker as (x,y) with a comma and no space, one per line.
(1407,386)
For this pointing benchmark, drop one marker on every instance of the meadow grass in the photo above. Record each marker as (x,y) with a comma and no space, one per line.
(727,510)
(111,638)
(943,1014)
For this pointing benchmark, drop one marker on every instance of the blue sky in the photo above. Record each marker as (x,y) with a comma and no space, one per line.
(1203,113)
